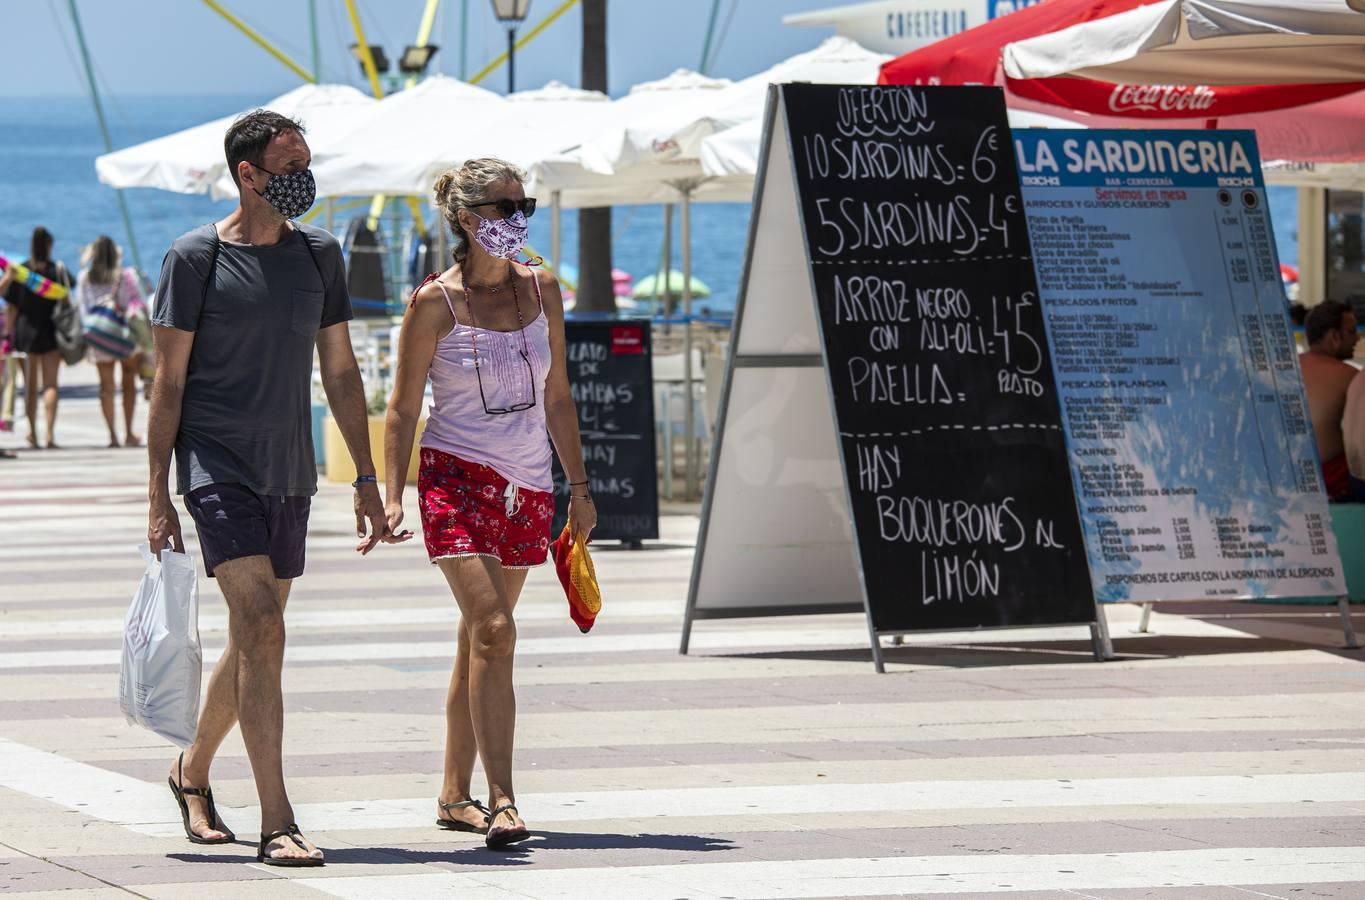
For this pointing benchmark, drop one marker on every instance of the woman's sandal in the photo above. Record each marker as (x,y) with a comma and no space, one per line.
(500,837)
(181,792)
(455,824)
(292,832)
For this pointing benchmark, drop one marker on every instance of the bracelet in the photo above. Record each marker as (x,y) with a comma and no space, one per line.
(577,483)
(364,479)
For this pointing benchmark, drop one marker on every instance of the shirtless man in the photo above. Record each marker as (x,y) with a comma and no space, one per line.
(1331,332)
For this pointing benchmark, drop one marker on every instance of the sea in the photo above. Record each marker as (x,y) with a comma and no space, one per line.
(47,177)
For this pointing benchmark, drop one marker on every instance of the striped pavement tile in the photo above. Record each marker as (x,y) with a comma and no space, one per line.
(1219,759)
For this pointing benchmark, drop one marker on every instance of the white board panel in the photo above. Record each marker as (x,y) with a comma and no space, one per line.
(778,533)
(778,308)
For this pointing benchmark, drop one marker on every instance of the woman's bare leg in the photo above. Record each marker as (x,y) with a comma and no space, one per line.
(130,368)
(31,391)
(51,364)
(462,748)
(485,602)
(106,370)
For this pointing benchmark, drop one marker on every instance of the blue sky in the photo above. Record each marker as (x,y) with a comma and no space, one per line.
(167,47)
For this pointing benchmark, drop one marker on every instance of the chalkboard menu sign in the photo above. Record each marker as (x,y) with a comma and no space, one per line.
(612,385)
(933,339)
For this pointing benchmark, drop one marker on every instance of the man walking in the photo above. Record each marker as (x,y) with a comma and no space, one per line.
(240,306)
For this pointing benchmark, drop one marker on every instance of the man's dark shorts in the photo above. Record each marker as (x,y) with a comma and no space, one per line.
(234,522)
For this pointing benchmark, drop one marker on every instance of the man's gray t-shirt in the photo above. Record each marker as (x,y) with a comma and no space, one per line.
(246,416)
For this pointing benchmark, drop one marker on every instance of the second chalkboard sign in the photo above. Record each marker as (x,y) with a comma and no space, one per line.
(612,385)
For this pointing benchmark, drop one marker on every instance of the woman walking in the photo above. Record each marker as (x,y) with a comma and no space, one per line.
(29,321)
(490,335)
(104,286)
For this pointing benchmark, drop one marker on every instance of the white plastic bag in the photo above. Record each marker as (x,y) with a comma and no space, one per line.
(162,661)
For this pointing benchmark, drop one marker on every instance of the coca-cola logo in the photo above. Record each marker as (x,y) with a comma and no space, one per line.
(1171,98)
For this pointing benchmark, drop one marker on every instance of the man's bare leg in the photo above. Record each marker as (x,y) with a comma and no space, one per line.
(216,719)
(462,749)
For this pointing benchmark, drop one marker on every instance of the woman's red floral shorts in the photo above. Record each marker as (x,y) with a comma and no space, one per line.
(468,509)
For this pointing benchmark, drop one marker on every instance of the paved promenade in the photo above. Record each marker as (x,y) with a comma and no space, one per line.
(1222,758)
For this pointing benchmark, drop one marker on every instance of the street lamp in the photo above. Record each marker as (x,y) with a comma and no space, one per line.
(381,60)
(512,13)
(415,60)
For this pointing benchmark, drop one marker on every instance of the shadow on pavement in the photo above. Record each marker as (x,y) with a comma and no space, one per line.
(478,855)
(1024,653)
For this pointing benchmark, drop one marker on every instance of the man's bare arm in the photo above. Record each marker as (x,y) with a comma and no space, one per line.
(163,424)
(346,398)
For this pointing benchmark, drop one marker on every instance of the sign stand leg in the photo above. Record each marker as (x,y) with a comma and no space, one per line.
(1344,604)
(1099,635)
(686,629)
(877,660)
(1145,620)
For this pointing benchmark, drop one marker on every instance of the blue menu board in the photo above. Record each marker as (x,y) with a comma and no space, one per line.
(1191,449)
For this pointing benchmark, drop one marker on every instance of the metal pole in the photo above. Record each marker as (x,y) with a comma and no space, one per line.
(424,38)
(529,36)
(464,40)
(313,32)
(667,261)
(104,130)
(554,230)
(1344,606)
(511,60)
(440,244)
(1099,635)
(710,33)
(689,413)
(366,58)
(260,40)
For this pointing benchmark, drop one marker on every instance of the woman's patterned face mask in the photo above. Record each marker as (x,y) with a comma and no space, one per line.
(291,194)
(502,238)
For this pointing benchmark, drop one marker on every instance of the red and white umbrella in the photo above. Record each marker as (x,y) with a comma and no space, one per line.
(974,57)
(1210,42)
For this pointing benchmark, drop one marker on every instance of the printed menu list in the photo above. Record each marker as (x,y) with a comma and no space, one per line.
(937,357)
(1193,455)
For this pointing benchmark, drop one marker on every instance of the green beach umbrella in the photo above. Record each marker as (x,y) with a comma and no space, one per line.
(653,285)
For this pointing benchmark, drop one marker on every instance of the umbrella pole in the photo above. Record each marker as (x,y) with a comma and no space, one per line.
(440,242)
(668,262)
(689,413)
(554,230)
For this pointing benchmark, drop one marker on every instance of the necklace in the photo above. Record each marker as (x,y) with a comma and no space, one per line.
(493,288)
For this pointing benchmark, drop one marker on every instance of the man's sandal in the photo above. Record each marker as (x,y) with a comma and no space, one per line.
(292,832)
(455,824)
(215,823)
(500,837)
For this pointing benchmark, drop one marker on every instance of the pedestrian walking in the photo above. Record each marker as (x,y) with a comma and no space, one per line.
(240,308)
(110,298)
(30,323)
(489,333)
(9,378)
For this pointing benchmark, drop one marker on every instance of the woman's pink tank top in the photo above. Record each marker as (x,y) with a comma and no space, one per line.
(516,445)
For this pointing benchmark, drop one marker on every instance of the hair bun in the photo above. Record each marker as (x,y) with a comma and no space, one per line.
(443,185)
